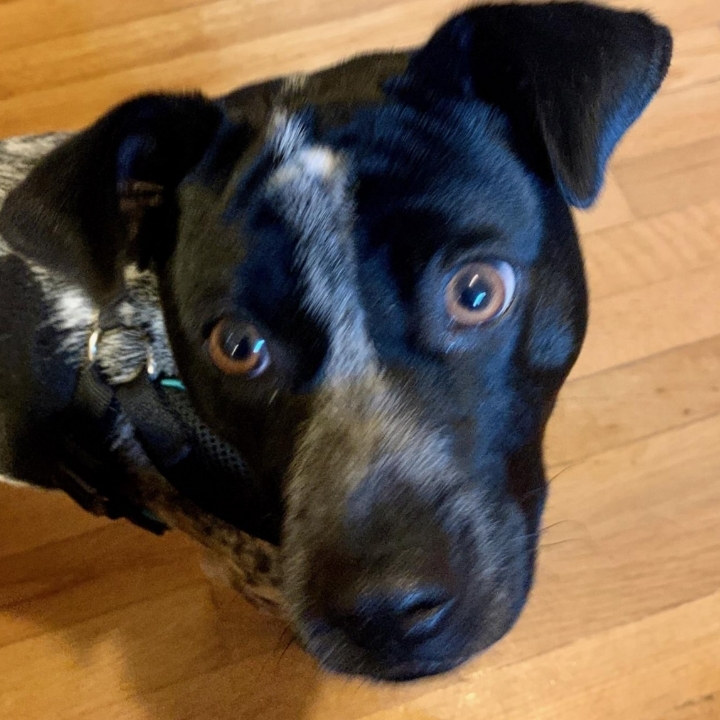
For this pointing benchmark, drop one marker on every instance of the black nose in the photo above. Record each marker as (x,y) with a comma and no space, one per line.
(377,614)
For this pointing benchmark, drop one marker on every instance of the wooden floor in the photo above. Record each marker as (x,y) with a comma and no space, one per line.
(101,621)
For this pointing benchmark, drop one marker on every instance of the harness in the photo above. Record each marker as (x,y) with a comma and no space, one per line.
(147,418)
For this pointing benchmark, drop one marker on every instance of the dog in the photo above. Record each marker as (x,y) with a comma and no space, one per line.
(361,289)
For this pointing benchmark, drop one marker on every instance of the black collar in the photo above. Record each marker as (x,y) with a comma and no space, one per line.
(99,483)
(177,444)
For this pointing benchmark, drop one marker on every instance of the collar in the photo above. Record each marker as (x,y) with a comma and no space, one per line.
(142,418)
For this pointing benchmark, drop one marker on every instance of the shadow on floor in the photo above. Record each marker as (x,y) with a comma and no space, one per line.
(117,623)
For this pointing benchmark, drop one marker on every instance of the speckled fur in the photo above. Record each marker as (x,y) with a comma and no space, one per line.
(71,310)
(139,335)
(250,565)
(18,155)
(361,426)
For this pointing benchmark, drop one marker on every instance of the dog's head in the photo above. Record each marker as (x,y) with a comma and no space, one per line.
(372,286)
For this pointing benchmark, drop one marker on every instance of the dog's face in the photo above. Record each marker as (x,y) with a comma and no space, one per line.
(373,289)
(407,303)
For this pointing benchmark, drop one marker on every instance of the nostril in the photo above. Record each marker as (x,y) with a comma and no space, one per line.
(376,617)
(422,612)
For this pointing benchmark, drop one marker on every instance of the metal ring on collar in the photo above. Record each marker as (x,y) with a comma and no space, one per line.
(94,342)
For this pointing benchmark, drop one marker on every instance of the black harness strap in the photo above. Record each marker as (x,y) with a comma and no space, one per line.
(97,473)
(162,434)
(164,437)
(95,479)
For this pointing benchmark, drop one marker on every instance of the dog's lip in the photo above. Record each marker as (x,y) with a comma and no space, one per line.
(416,671)
(399,672)
(412,670)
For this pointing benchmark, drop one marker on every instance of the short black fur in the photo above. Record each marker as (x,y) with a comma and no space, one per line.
(408,491)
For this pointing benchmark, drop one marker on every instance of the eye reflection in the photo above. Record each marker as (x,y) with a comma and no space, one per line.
(479,292)
(236,348)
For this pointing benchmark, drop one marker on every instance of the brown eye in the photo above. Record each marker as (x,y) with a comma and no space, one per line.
(479,292)
(237,348)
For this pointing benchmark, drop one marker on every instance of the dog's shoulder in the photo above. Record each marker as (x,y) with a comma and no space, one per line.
(18,155)
(38,316)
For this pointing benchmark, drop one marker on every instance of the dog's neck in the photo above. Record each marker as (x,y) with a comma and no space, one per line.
(124,336)
(136,329)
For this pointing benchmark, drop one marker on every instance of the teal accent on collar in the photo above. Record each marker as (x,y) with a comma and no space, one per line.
(173,383)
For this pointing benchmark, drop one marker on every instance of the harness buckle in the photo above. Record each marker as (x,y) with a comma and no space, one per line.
(94,343)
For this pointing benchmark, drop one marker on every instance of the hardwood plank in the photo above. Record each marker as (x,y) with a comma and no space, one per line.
(219,70)
(60,674)
(66,582)
(652,250)
(280,687)
(696,57)
(703,707)
(103,43)
(622,541)
(610,209)
(674,120)
(680,16)
(19,24)
(636,533)
(671,179)
(635,401)
(152,40)
(602,575)
(651,319)
(627,548)
(30,517)
(610,675)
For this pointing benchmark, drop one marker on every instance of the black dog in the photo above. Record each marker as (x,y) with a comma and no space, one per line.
(369,282)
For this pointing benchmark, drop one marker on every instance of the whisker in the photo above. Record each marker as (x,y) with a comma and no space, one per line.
(289,644)
(544,546)
(563,470)
(545,528)
(281,643)
(278,645)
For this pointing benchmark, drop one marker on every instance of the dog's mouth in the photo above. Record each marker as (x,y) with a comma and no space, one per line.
(351,643)
(408,597)
(408,671)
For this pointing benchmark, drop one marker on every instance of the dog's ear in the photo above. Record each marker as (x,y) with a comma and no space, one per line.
(570,77)
(106,197)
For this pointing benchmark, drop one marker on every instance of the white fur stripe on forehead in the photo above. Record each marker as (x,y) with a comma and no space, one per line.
(310,191)
(287,135)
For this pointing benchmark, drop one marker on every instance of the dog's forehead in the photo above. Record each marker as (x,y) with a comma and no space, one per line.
(310,191)
(453,161)
(324,186)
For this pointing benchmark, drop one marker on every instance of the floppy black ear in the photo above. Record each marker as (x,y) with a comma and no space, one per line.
(106,197)
(571,78)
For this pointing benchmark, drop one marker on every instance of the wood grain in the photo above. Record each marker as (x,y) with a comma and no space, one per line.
(101,620)
(671,179)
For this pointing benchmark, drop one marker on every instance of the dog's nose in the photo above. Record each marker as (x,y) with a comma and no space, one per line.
(385,612)
(391,582)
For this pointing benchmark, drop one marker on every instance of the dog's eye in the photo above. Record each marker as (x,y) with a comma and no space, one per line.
(237,348)
(480,292)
